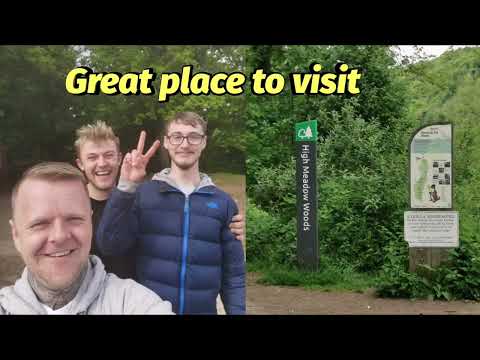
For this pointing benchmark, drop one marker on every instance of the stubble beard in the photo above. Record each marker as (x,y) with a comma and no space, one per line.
(56,298)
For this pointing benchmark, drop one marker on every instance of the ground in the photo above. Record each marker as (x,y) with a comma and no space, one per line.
(263,299)
(278,300)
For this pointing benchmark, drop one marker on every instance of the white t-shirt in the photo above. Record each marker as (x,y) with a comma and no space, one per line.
(62,311)
(186,189)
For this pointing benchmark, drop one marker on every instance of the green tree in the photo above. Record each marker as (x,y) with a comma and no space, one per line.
(38,117)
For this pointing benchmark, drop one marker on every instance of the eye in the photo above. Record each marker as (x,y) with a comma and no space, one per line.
(75,219)
(38,225)
(92,157)
(109,156)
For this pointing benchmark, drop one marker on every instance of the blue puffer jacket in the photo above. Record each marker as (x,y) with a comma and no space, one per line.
(184,248)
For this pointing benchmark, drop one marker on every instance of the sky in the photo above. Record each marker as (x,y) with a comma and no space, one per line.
(434,50)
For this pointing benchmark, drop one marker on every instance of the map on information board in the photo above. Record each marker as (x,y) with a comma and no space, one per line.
(431,167)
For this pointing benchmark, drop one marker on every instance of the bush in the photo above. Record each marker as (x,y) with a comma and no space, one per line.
(395,280)
(357,218)
(459,277)
(276,190)
(456,278)
(270,240)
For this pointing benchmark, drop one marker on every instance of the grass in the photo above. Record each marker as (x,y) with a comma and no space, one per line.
(330,276)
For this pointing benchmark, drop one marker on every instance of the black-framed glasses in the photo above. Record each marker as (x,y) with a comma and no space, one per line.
(192,138)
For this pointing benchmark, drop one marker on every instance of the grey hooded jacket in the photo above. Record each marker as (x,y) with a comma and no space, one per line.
(99,294)
(131,187)
(205,180)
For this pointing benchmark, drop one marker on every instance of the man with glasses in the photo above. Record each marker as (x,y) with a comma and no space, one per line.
(178,225)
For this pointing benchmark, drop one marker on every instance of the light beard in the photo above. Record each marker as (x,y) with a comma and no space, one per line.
(97,193)
(185,167)
(103,188)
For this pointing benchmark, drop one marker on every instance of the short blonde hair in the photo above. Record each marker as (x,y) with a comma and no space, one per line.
(49,171)
(99,131)
(187,118)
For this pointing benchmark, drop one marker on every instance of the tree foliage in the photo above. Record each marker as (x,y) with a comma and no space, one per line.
(38,117)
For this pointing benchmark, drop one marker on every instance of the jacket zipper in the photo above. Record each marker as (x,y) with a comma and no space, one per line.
(186,228)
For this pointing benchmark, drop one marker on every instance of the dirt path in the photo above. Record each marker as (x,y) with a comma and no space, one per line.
(232,184)
(286,300)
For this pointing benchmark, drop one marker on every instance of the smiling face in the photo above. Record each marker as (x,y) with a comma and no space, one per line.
(52,229)
(100,161)
(185,155)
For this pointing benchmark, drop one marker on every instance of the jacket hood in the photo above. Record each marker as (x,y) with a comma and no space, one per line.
(205,180)
(20,298)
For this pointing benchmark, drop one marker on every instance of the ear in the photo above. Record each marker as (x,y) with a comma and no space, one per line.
(13,229)
(165,142)
(120,158)
(79,164)
(204,143)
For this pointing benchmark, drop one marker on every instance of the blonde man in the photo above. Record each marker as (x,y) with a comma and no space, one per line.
(99,157)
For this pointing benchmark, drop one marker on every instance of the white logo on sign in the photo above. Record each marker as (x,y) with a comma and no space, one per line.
(305,133)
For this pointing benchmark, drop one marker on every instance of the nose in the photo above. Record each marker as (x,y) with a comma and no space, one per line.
(59,231)
(101,161)
(184,143)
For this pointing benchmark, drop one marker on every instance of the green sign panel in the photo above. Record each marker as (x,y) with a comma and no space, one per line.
(306,131)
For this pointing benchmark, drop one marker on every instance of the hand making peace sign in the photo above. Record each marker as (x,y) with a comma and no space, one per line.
(135,162)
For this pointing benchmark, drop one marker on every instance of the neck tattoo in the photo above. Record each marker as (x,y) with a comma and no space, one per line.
(56,299)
